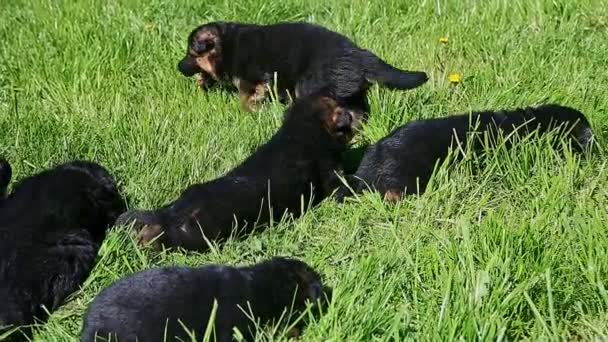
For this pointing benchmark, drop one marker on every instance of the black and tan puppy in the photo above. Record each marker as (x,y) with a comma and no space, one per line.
(403,162)
(6,173)
(51,227)
(294,169)
(156,305)
(306,58)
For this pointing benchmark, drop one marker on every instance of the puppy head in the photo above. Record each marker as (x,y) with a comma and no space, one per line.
(302,280)
(6,173)
(204,52)
(341,122)
(100,188)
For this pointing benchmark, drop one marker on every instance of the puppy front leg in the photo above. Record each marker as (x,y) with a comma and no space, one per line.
(332,181)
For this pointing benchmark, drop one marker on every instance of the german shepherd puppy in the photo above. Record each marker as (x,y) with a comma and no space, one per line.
(6,172)
(294,169)
(305,57)
(403,162)
(162,303)
(51,227)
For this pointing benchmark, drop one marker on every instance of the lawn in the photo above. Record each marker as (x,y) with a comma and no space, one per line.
(515,250)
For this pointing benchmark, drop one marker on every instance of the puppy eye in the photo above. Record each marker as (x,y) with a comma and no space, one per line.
(203,46)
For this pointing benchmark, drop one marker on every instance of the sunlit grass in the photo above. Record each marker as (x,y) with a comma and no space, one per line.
(512,246)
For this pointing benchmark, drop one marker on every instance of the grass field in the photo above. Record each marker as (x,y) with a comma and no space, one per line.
(518,250)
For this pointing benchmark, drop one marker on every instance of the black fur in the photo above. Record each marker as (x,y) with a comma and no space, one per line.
(147,306)
(51,227)
(306,58)
(403,162)
(5,177)
(293,170)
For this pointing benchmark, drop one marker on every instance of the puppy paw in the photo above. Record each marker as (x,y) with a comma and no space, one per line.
(393,196)
(150,235)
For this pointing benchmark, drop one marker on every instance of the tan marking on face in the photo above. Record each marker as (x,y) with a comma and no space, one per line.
(393,196)
(206,63)
(332,114)
(208,59)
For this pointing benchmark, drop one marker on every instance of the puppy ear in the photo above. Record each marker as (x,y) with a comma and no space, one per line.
(188,66)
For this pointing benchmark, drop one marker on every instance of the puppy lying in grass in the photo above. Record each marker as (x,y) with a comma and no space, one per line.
(306,58)
(294,169)
(51,227)
(164,302)
(403,162)
(6,172)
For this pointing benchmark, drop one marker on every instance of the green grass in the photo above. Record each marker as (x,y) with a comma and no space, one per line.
(516,251)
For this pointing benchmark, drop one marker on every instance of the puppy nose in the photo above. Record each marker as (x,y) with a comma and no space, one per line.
(344,119)
(316,292)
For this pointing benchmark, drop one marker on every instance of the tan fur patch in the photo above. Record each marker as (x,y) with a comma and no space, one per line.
(393,196)
(251,95)
(333,112)
(208,60)
(200,80)
(294,332)
(207,65)
(149,234)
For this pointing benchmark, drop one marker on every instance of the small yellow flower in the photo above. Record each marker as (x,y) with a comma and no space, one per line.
(149,26)
(443,40)
(454,78)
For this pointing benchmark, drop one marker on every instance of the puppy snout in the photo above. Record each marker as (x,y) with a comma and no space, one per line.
(188,66)
(317,292)
(344,120)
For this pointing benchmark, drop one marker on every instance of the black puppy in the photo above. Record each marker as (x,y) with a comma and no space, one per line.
(306,58)
(403,162)
(5,177)
(160,302)
(51,227)
(294,169)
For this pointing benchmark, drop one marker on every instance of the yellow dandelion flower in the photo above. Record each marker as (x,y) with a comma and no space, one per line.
(443,40)
(454,78)
(149,26)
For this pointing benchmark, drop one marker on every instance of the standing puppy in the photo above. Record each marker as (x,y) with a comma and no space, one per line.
(160,302)
(307,58)
(403,162)
(51,227)
(294,169)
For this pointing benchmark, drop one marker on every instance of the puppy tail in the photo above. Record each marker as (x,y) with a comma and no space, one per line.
(6,174)
(377,70)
